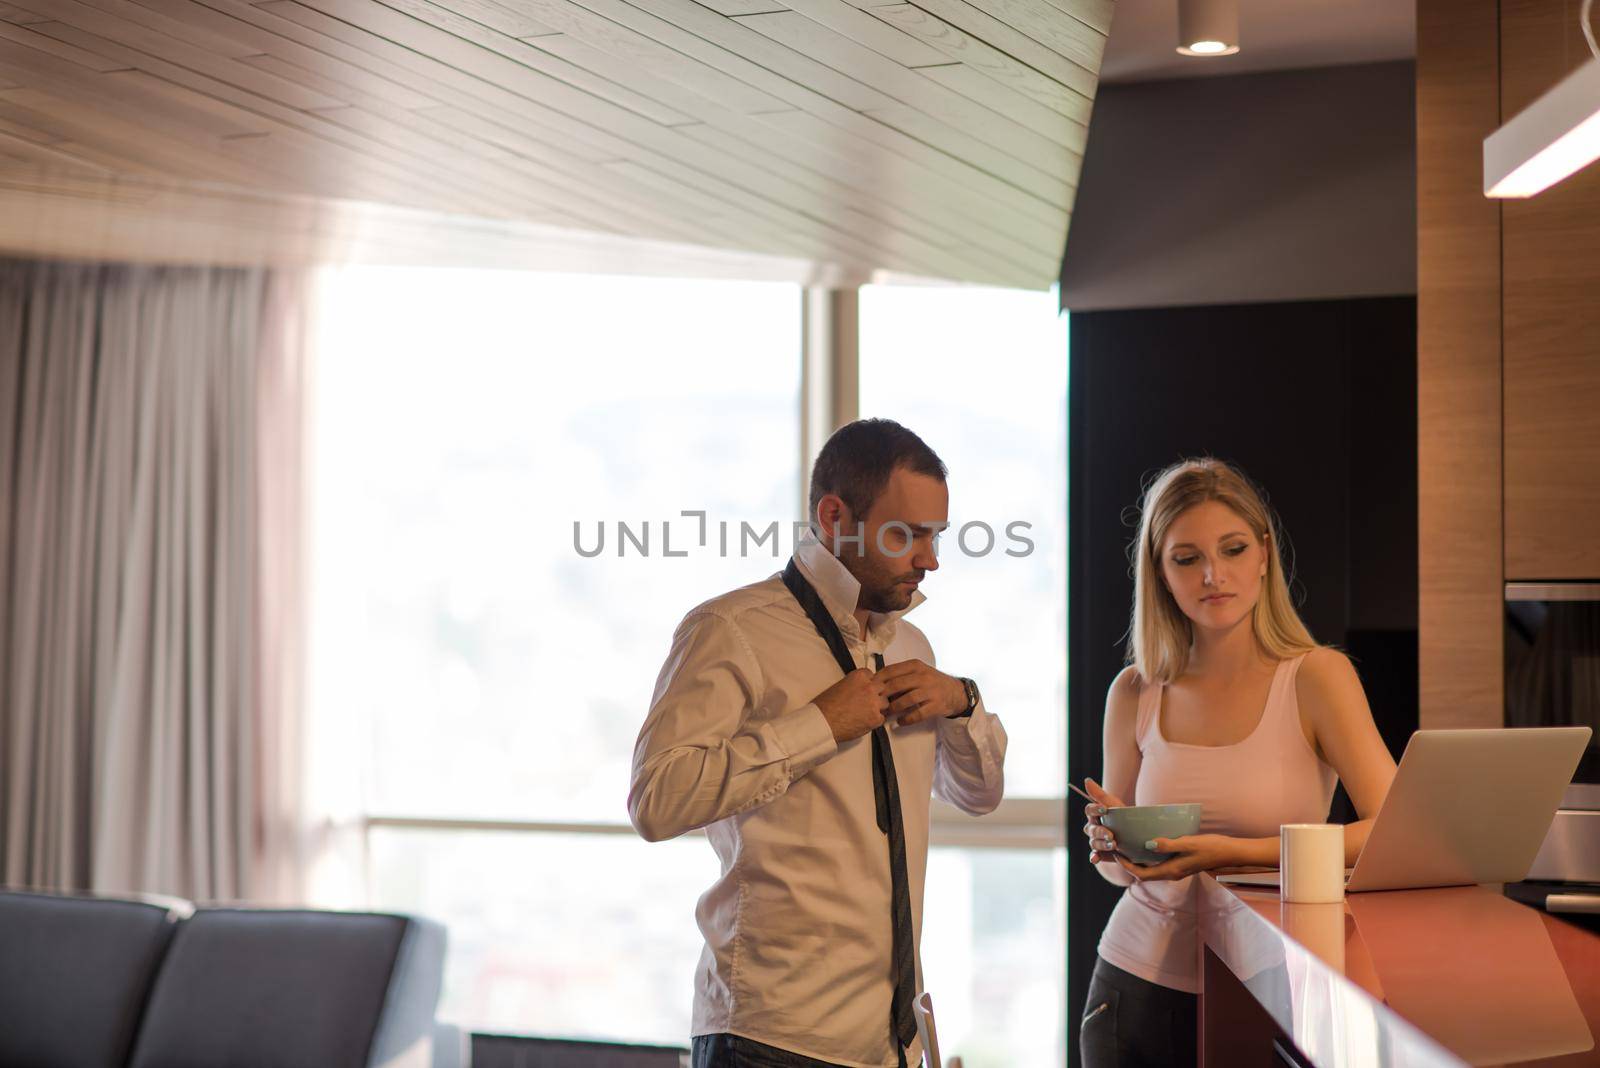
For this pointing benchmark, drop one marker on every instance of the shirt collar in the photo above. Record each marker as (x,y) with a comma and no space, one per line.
(840,590)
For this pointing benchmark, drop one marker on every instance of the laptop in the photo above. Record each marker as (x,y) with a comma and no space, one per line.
(1465,807)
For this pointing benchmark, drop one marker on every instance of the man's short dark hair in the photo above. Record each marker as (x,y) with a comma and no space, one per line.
(858,459)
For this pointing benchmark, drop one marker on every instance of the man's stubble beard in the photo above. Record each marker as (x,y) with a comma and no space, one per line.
(880,592)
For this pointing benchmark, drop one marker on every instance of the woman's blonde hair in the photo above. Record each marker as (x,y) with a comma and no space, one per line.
(1160,635)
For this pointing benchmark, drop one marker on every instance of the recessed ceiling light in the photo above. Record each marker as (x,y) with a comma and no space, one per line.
(1208,27)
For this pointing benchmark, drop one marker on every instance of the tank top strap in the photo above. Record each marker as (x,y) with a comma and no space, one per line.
(1282,707)
(1149,707)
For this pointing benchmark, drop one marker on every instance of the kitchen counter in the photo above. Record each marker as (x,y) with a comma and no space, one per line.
(1418,978)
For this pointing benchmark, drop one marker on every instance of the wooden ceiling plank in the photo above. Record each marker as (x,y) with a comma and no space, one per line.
(685,76)
(15,122)
(451,86)
(825,240)
(198,23)
(92,124)
(559,56)
(731,8)
(665,151)
(506,18)
(696,21)
(38,36)
(987,60)
(1013,207)
(429,140)
(664,62)
(552,77)
(341,82)
(1051,188)
(885,39)
(910,89)
(867,178)
(755,49)
(875,134)
(20,16)
(519,139)
(1040,276)
(1013,42)
(670,51)
(133,24)
(181,109)
(351,176)
(127,96)
(167,56)
(939,261)
(1002,99)
(192,109)
(829,237)
(1051,27)
(410,162)
(620,199)
(1096,14)
(286,53)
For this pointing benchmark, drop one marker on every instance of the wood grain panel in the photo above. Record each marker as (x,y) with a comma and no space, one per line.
(1458,368)
(942,139)
(1552,327)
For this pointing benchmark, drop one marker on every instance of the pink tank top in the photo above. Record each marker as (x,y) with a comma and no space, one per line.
(1247,790)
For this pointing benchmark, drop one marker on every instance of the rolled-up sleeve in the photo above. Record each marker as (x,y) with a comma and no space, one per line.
(704,754)
(970,768)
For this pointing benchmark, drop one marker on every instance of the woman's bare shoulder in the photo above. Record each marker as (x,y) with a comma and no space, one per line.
(1326,666)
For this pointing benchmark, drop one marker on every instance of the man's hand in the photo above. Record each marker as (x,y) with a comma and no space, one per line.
(853,706)
(918,692)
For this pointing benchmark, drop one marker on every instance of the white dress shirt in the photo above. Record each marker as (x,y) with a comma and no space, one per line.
(798,933)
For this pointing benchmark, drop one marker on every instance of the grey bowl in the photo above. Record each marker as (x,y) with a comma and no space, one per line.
(1135,825)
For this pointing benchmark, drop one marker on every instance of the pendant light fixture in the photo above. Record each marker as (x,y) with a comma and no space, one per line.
(1552,138)
(1208,27)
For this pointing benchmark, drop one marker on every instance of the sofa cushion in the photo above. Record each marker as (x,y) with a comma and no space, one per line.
(270,989)
(75,973)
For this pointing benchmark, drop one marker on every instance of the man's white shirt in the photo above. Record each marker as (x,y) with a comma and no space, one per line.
(797,927)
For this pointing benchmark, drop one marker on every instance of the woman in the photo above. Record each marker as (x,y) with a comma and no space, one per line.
(1226,701)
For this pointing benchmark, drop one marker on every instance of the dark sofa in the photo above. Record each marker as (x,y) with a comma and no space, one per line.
(90,982)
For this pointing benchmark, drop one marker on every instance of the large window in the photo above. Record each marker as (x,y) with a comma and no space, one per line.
(466,421)
(481,673)
(981,375)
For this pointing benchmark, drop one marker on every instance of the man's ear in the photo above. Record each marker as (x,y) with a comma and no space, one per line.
(832,513)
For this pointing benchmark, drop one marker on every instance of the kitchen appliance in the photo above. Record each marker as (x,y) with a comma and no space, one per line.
(1552,678)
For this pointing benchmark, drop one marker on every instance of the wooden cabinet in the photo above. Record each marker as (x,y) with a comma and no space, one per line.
(1551,314)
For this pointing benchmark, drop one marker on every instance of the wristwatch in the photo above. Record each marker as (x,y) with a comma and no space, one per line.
(972,700)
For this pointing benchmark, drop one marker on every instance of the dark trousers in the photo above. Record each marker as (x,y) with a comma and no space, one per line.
(732,1051)
(1130,1022)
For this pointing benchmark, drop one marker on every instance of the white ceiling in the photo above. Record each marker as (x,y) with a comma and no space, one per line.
(1273,35)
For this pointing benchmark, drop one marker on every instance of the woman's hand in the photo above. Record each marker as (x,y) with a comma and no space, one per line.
(1193,853)
(1102,846)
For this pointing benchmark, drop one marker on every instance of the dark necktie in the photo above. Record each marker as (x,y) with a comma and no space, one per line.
(886,794)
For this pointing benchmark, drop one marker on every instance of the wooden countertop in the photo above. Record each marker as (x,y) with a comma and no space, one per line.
(1461,975)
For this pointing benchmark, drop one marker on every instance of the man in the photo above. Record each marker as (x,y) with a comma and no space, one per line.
(813,784)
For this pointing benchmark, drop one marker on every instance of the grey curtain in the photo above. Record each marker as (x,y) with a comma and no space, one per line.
(150,576)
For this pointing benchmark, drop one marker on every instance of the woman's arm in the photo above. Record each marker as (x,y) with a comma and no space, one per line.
(1121,755)
(1347,738)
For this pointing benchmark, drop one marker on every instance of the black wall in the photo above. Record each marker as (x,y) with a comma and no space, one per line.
(1316,401)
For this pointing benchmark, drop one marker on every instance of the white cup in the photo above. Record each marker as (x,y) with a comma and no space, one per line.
(1311,862)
